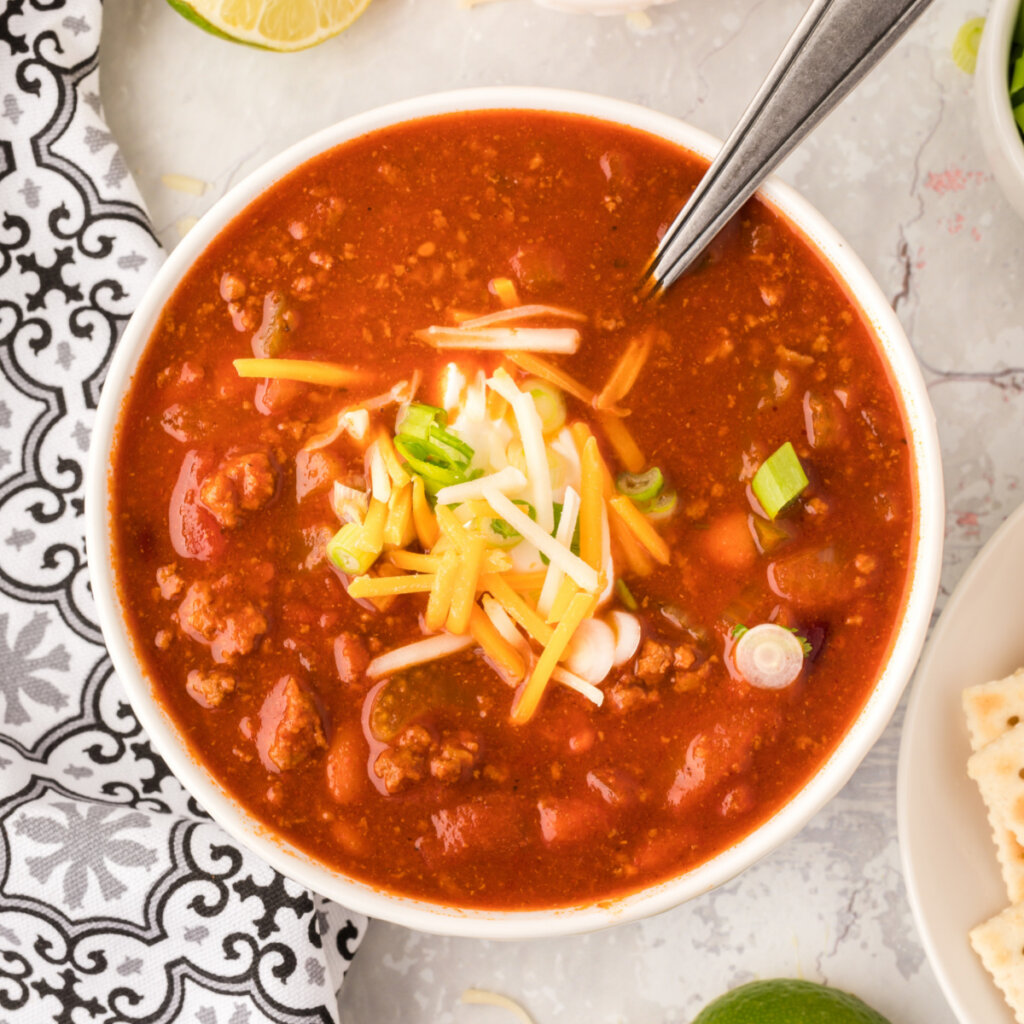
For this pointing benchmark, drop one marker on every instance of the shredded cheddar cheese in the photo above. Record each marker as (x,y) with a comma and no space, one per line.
(463,510)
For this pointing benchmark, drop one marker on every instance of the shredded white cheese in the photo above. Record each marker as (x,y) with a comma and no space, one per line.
(572,565)
(566,528)
(403,391)
(380,479)
(502,621)
(573,681)
(430,649)
(562,340)
(481,997)
(350,505)
(453,386)
(521,313)
(508,480)
(183,183)
(531,433)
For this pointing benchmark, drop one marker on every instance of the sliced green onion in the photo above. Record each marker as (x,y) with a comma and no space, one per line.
(662,506)
(503,530)
(966,43)
(575,545)
(344,550)
(738,630)
(641,486)
(448,446)
(501,534)
(768,535)
(769,656)
(550,403)
(417,418)
(779,481)
(626,595)
(436,454)
(417,456)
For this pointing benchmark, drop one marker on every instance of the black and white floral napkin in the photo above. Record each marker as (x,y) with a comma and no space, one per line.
(120,901)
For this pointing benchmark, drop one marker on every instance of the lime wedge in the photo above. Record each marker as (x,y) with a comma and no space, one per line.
(280,25)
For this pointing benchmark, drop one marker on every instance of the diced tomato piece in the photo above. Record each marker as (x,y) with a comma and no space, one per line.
(711,757)
(314,471)
(619,167)
(538,266)
(351,839)
(474,828)
(659,851)
(729,542)
(275,396)
(812,579)
(571,819)
(194,531)
(825,420)
(568,728)
(615,786)
(738,800)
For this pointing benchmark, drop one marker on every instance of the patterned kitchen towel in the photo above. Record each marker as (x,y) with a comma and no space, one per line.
(120,901)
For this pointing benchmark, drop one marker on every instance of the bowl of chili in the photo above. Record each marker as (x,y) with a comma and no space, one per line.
(466,589)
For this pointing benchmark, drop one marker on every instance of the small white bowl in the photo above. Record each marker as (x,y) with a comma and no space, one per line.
(1000,136)
(827,781)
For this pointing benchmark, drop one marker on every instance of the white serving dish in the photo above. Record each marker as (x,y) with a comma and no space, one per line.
(538,923)
(1000,136)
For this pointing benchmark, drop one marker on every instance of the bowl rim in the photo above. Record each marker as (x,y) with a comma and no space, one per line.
(1000,137)
(789,819)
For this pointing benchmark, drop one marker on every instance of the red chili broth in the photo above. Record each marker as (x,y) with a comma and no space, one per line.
(568,208)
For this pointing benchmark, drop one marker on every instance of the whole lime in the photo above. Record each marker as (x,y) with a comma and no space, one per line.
(787,1001)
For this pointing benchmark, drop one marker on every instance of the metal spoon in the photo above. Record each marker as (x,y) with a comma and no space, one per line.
(835,45)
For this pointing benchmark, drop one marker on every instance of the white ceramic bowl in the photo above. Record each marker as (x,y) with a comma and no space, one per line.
(526,924)
(999,133)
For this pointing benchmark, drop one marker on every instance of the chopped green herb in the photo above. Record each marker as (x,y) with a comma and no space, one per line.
(661,506)
(507,532)
(779,481)
(447,445)
(804,642)
(641,487)
(738,630)
(344,551)
(417,418)
(427,460)
(429,450)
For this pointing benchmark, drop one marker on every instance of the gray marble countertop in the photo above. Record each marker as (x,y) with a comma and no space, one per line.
(900,172)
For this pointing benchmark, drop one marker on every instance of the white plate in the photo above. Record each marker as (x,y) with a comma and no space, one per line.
(949,859)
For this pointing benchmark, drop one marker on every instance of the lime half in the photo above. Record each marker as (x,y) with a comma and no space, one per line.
(272,24)
(787,1001)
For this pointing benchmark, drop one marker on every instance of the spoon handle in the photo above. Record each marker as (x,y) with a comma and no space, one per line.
(836,43)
